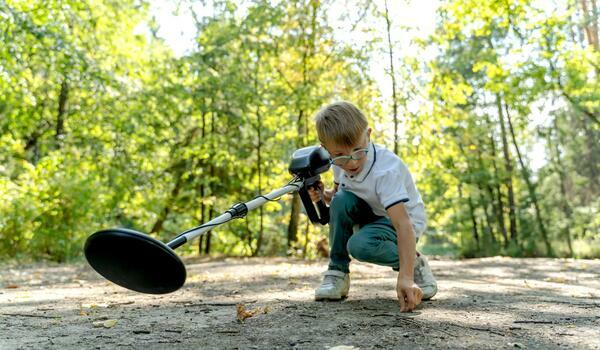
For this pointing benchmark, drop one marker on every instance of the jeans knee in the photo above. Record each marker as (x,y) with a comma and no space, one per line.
(359,249)
(342,202)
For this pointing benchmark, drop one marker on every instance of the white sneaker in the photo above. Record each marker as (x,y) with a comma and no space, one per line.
(424,277)
(335,286)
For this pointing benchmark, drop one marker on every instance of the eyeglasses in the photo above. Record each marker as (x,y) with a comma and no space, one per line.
(356,155)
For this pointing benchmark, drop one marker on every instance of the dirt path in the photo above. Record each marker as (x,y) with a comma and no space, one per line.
(482,303)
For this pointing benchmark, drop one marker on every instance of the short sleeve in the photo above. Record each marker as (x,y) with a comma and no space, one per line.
(390,188)
(337,174)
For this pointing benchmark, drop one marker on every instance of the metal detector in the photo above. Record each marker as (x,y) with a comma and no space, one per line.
(141,263)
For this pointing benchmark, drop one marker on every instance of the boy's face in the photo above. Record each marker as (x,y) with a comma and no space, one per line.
(352,166)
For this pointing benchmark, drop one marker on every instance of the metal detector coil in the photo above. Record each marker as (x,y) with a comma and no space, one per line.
(141,263)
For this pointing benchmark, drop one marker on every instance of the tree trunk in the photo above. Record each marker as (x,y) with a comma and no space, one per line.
(60,115)
(211,170)
(591,23)
(559,168)
(393,76)
(208,235)
(489,222)
(472,215)
(530,187)
(259,238)
(499,206)
(488,217)
(509,174)
(202,238)
(292,233)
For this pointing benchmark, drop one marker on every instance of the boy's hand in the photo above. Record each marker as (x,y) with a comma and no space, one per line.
(320,193)
(409,294)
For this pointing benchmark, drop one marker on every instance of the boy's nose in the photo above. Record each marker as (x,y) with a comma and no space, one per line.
(352,163)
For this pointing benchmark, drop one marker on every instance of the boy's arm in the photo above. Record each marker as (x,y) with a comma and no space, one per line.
(409,294)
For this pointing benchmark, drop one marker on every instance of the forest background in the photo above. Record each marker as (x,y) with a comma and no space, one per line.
(496,113)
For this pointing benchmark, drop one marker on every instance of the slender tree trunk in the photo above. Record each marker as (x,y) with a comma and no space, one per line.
(472,215)
(61,111)
(485,203)
(208,235)
(202,238)
(499,206)
(259,238)
(294,220)
(509,174)
(292,232)
(495,190)
(489,222)
(392,75)
(530,187)
(564,201)
(211,170)
(308,42)
(591,22)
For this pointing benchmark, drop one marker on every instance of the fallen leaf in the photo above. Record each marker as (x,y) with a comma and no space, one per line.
(12,286)
(106,324)
(556,279)
(243,314)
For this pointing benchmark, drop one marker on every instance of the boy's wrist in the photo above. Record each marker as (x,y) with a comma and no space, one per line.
(405,275)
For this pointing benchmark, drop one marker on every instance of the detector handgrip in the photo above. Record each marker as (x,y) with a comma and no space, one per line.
(317,212)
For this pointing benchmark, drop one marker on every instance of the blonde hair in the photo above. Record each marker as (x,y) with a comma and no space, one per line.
(341,123)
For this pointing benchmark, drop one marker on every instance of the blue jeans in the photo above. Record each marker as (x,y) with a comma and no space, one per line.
(375,242)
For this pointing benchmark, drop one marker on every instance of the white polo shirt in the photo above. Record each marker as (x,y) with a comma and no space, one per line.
(383,182)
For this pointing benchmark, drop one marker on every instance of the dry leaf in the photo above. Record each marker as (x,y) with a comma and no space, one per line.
(105,324)
(556,279)
(109,323)
(243,314)
(12,286)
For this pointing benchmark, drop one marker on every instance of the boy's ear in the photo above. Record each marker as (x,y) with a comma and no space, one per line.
(369,132)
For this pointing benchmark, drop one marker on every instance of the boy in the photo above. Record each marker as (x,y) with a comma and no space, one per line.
(374,193)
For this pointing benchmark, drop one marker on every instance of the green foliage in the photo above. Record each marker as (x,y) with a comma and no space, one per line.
(101,126)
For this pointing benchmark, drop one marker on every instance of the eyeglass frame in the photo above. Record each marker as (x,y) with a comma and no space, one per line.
(349,157)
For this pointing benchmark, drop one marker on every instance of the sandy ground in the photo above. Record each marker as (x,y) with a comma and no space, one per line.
(482,304)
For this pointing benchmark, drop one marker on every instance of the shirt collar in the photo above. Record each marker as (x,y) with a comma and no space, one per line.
(366,170)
